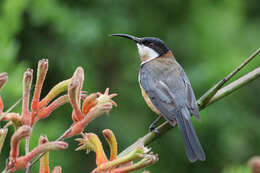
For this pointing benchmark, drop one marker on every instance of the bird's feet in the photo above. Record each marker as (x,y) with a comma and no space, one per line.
(152,127)
(155,130)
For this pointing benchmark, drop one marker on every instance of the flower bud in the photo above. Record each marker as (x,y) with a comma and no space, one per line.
(22,132)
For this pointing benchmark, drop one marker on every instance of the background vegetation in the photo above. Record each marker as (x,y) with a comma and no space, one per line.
(209,39)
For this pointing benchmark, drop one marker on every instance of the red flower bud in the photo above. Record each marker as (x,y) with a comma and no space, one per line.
(27,82)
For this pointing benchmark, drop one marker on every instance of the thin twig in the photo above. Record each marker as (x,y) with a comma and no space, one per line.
(62,137)
(204,99)
(252,56)
(29,167)
(235,85)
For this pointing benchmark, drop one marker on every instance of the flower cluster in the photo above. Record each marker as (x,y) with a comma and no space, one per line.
(85,108)
(114,164)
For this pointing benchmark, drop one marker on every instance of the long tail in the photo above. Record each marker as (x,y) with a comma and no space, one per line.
(194,151)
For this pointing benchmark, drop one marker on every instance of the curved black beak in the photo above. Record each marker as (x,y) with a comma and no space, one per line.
(136,39)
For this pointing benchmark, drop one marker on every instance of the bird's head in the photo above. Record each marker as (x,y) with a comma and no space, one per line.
(148,47)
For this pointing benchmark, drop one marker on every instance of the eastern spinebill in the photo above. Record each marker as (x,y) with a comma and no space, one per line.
(167,90)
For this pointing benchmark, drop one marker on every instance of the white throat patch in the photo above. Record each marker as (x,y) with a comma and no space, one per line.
(147,52)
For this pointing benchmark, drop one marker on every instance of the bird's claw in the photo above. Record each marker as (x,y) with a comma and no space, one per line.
(155,130)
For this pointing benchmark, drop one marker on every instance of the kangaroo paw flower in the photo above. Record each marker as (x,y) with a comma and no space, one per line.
(21,133)
(148,160)
(41,73)
(54,92)
(89,102)
(74,92)
(91,142)
(94,112)
(27,82)
(23,161)
(106,97)
(45,112)
(111,140)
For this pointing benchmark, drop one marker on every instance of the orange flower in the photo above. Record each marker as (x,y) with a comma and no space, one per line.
(27,82)
(122,164)
(41,73)
(102,104)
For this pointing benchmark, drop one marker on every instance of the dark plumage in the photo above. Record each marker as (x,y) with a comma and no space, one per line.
(155,43)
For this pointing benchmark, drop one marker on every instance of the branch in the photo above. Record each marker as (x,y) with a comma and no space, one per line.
(212,95)
(204,99)
(235,85)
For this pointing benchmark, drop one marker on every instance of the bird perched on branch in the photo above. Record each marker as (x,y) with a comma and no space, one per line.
(167,90)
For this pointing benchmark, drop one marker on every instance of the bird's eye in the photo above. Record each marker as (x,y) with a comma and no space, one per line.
(151,45)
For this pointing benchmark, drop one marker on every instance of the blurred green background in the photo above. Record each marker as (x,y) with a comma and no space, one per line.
(209,39)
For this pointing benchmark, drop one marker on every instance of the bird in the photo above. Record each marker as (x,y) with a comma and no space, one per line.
(167,91)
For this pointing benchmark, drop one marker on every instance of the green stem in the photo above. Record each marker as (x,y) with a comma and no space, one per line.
(204,99)
(235,85)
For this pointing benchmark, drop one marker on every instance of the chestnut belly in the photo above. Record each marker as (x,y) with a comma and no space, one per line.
(149,102)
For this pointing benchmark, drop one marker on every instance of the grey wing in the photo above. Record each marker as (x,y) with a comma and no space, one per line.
(190,97)
(159,94)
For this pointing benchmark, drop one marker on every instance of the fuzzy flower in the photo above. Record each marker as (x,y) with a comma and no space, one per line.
(100,104)
(20,134)
(23,161)
(91,142)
